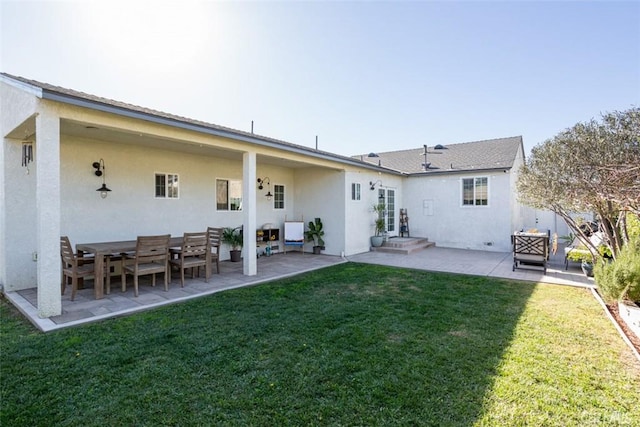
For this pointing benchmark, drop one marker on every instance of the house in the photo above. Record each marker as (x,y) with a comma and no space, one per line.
(170,174)
(461,195)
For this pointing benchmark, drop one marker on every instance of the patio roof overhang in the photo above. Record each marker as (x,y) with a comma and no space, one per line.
(138,113)
(296,155)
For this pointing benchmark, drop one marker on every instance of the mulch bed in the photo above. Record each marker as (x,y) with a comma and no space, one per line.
(635,340)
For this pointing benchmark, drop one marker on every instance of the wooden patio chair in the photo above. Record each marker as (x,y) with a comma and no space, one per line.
(151,257)
(75,267)
(194,253)
(215,240)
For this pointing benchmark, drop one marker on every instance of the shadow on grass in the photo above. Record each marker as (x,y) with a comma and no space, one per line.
(352,344)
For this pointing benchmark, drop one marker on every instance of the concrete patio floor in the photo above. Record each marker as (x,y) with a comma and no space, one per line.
(481,263)
(87,309)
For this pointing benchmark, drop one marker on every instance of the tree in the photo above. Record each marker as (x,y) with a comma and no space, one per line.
(590,167)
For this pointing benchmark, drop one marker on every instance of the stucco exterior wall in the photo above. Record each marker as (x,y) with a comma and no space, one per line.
(359,214)
(435,211)
(131,208)
(525,217)
(546,220)
(18,237)
(320,193)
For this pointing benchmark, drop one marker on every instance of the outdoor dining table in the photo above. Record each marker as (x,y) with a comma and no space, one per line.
(102,249)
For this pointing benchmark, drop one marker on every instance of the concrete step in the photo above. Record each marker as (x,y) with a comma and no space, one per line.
(404,245)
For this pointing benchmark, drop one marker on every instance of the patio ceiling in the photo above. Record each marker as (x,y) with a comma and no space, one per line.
(101,133)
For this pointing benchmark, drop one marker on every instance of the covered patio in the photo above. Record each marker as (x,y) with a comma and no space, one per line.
(163,174)
(86,308)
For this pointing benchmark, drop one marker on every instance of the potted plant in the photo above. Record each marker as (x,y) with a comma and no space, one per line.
(582,255)
(233,238)
(380,226)
(314,234)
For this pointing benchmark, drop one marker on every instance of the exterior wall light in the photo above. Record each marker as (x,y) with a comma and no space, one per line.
(261,182)
(100,170)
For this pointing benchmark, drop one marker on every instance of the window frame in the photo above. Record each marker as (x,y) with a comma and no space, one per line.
(228,195)
(276,200)
(477,184)
(166,185)
(356,192)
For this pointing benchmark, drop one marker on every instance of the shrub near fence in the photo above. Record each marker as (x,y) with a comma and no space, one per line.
(620,279)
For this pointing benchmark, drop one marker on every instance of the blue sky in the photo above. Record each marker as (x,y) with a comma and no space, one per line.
(363,76)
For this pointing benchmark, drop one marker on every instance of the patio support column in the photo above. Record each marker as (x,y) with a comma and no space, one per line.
(48,212)
(250,263)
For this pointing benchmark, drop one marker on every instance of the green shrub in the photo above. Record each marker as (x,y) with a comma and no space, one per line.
(579,254)
(620,279)
(633,225)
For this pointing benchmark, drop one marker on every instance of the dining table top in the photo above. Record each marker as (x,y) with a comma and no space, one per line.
(118,246)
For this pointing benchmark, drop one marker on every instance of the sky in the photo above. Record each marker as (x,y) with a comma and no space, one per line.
(362,76)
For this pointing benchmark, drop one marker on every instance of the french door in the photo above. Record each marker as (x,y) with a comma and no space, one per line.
(388,197)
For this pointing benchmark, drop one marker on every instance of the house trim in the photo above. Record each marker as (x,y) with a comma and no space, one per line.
(506,169)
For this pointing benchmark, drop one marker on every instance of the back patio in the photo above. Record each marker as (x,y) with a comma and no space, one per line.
(86,308)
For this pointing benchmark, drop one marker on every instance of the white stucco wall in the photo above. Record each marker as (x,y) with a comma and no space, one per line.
(18,226)
(435,211)
(520,214)
(131,208)
(545,220)
(320,193)
(525,217)
(18,237)
(359,214)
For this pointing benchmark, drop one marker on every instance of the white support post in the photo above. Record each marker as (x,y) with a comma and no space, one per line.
(48,213)
(250,262)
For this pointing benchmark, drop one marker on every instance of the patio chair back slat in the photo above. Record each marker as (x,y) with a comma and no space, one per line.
(151,257)
(215,240)
(195,252)
(73,267)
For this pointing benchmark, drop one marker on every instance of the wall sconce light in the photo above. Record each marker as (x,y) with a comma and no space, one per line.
(261,182)
(100,170)
(372,185)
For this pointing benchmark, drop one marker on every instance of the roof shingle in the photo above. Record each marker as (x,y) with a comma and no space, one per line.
(497,153)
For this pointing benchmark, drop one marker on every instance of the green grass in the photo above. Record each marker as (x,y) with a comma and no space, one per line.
(347,345)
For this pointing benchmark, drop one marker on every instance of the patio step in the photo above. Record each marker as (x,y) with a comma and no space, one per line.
(404,245)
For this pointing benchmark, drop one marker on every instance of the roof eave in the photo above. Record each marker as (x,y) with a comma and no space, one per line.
(27,87)
(458,171)
(209,130)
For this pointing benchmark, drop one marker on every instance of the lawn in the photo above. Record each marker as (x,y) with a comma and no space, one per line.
(351,344)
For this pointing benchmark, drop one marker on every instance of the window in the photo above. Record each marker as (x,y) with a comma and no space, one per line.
(475,191)
(278,196)
(355,191)
(167,186)
(228,195)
